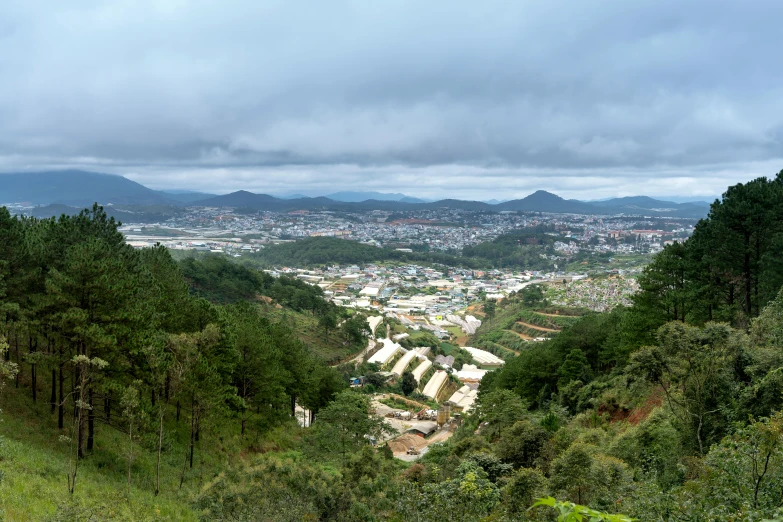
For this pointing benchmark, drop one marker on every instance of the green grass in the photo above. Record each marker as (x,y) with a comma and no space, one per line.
(305,326)
(34,463)
(398,329)
(447,348)
(455,331)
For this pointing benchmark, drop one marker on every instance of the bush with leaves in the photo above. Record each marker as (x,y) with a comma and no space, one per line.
(570,512)
(346,424)
(588,477)
(469,496)
(521,444)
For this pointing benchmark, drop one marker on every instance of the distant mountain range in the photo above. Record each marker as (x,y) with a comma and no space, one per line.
(358,197)
(75,188)
(186,196)
(540,201)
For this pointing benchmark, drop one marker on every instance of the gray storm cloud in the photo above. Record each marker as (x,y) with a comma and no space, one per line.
(588,99)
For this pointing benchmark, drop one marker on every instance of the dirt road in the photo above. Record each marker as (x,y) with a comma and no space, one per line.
(536,327)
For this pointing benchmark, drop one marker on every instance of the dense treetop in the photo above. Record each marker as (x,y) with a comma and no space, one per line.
(506,251)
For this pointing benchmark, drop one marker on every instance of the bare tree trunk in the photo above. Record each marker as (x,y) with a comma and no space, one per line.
(53,398)
(160,447)
(130,453)
(61,403)
(79,426)
(79,407)
(33,373)
(80,434)
(244,410)
(90,421)
(184,468)
(192,432)
(759,478)
(74,397)
(16,345)
(34,382)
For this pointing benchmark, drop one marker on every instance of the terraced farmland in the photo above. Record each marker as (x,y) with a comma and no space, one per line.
(515,326)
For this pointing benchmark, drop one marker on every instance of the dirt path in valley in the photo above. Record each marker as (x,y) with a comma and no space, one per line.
(358,358)
(523,336)
(534,327)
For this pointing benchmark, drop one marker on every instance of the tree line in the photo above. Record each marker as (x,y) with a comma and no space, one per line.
(506,251)
(103,332)
(729,269)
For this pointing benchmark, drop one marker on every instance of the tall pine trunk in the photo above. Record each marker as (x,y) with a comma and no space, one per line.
(78,410)
(192,430)
(53,398)
(160,448)
(90,421)
(61,402)
(33,373)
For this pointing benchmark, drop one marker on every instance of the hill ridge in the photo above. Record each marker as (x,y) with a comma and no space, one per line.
(78,188)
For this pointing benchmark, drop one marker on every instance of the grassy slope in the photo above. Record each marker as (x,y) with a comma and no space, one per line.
(306,328)
(35,463)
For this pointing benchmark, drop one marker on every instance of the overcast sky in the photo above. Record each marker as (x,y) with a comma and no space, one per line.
(468,99)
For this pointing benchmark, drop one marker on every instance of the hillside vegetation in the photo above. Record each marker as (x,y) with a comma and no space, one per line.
(287,300)
(130,398)
(105,342)
(320,251)
(514,322)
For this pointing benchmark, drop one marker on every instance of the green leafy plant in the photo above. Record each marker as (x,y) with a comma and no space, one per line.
(570,512)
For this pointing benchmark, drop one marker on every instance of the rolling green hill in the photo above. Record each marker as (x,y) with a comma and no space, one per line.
(291,301)
(319,251)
